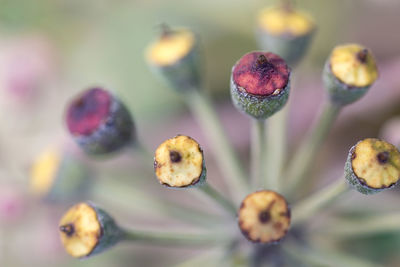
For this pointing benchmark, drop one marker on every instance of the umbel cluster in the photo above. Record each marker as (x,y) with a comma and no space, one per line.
(260,85)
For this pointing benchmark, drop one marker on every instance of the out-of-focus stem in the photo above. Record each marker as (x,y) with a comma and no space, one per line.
(258,152)
(275,149)
(225,156)
(371,225)
(220,199)
(305,155)
(132,199)
(171,239)
(312,256)
(307,208)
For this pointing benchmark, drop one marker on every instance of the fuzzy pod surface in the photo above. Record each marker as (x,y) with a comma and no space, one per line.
(372,166)
(99,122)
(348,73)
(286,32)
(86,230)
(179,163)
(175,58)
(260,84)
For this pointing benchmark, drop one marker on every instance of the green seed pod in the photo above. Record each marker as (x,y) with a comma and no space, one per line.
(175,58)
(86,230)
(285,31)
(372,166)
(264,217)
(348,73)
(59,176)
(99,122)
(260,84)
(179,162)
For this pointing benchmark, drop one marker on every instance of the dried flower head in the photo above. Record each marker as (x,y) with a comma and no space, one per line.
(99,122)
(372,166)
(285,31)
(59,176)
(260,84)
(86,230)
(179,162)
(264,217)
(349,72)
(175,57)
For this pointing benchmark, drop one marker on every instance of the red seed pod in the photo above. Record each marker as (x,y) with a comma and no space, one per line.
(260,84)
(99,122)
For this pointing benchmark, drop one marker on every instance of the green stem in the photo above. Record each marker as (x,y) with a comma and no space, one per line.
(370,225)
(304,157)
(276,152)
(312,256)
(257,152)
(130,198)
(309,206)
(177,239)
(220,199)
(225,156)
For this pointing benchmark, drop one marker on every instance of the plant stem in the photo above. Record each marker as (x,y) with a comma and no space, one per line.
(168,238)
(258,152)
(312,256)
(305,155)
(276,149)
(225,156)
(370,225)
(130,199)
(220,199)
(309,206)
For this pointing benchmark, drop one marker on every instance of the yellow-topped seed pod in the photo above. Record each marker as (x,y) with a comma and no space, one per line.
(285,31)
(86,230)
(372,166)
(349,72)
(44,171)
(175,57)
(179,162)
(264,217)
(58,176)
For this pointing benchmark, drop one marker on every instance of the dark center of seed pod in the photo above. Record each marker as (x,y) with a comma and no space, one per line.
(175,156)
(68,229)
(88,111)
(261,73)
(362,55)
(264,216)
(165,30)
(383,157)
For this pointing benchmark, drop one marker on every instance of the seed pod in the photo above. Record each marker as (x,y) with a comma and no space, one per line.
(58,176)
(86,230)
(348,73)
(99,122)
(264,217)
(260,84)
(372,165)
(285,31)
(175,58)
(179,162)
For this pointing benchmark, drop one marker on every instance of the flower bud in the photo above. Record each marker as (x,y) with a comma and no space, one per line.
(99,122)
(175,58)
(372,166)
(179,162)
(264,217)
(348,73)
(86,230)
(59,176)
(285,31)
(260,84)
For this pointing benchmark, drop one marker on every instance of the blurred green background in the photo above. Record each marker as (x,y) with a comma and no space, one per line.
(75,44)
